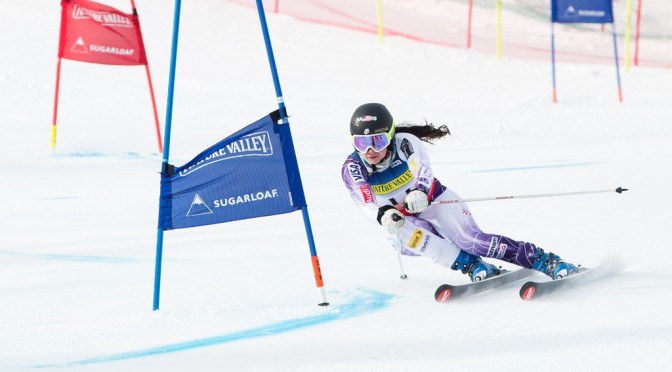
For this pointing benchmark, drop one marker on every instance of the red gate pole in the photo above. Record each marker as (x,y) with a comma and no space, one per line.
(53,121)
(151,88)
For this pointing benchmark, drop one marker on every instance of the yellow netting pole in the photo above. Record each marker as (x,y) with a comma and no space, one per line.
(380,20)
(499,29)
(628,16)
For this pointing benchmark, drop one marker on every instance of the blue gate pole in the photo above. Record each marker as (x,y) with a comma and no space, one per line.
(166,147)
(288,146)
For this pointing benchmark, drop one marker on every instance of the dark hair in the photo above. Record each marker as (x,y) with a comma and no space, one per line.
(426,132)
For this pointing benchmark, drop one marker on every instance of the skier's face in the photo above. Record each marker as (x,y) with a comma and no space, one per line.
(374,157)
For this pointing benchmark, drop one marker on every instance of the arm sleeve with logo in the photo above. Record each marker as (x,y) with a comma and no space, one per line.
(411,150)
(355,175)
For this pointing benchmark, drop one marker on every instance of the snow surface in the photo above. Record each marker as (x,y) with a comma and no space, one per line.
(78,232)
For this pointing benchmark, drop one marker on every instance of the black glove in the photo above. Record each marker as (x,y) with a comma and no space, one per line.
(390,218)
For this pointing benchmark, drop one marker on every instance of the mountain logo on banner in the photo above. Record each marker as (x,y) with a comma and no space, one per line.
(79,46)
(570,12)
(198,207)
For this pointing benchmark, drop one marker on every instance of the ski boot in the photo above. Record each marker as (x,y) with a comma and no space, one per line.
(474,266)
(552,265)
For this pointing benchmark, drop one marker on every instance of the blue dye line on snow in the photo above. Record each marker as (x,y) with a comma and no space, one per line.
(565,165)
(128,155)
(75,258)
(369,301)
(91,259)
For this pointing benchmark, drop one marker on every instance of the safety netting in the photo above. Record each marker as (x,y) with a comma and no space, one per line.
(505,28)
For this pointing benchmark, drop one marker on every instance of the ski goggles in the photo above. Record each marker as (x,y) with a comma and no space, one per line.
(377,142)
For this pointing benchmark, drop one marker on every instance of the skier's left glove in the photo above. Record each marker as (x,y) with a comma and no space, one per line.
(390,218)
(416,201)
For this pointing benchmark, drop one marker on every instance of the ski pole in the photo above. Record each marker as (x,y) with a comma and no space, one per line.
(403,273)
(397,247)
(453,201)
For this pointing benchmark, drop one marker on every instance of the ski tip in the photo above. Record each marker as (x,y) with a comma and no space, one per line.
(527,291)
(443,295)
(620,190)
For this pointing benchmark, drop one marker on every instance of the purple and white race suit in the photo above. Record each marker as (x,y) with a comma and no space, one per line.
(442,230)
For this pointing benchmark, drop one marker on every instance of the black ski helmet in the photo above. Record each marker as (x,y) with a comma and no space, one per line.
(371,118)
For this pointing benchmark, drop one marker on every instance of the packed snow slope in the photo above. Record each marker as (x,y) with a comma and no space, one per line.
(78,232)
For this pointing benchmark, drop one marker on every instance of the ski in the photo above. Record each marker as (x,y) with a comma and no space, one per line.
(448,292)
(532,290)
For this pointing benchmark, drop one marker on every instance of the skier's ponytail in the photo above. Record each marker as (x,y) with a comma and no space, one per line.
(426,132)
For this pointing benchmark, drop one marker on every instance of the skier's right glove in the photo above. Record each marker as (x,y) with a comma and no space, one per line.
(390,218)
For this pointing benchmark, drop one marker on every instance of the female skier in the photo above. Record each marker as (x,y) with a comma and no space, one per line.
(390,178)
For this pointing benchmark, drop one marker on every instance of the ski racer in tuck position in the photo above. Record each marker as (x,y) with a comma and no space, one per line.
(390,178)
